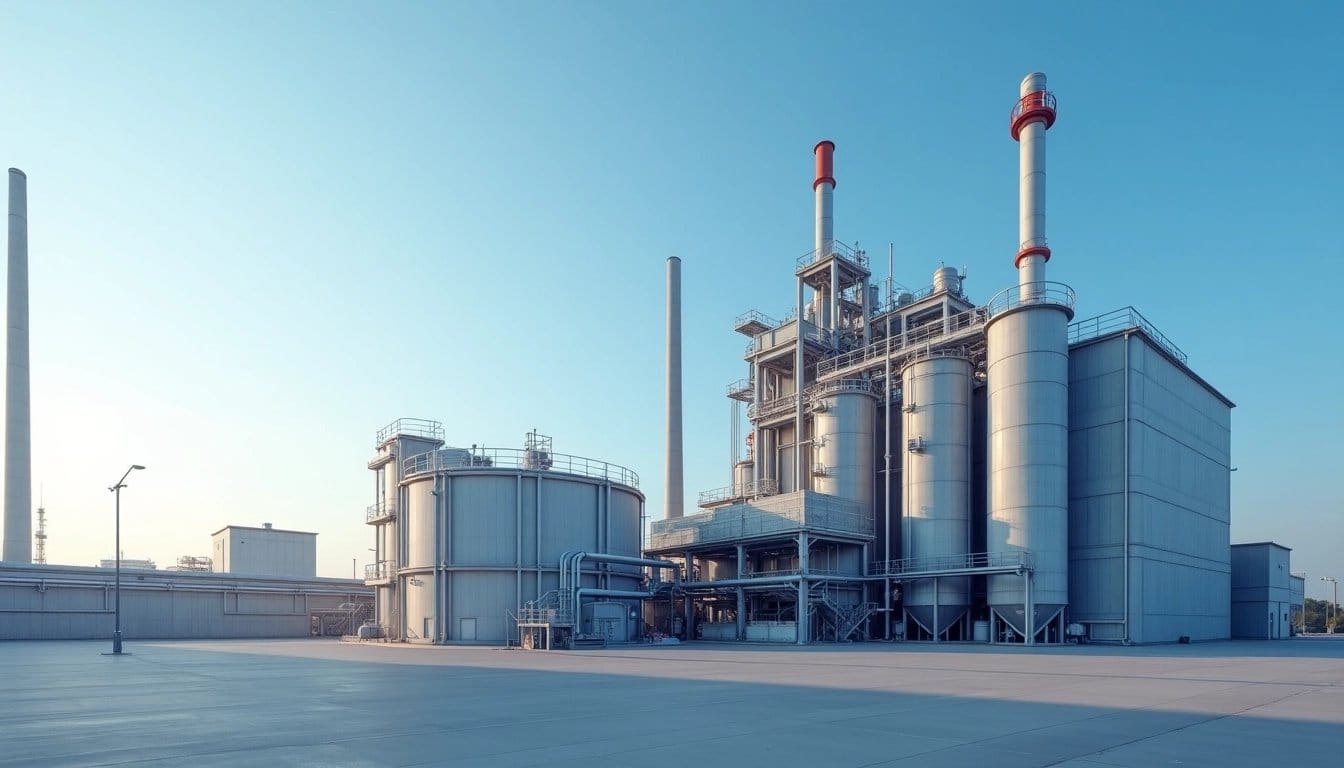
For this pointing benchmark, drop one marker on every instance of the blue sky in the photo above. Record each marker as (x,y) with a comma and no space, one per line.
(258,232)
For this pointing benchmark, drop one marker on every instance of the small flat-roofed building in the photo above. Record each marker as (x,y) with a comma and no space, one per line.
(1262,591)
(264,551)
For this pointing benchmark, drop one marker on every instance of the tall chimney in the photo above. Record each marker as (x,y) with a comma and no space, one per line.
(822,186)
(1033,115)
(672,470)
(18,440)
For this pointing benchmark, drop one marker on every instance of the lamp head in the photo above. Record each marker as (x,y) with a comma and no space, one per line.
(137,466)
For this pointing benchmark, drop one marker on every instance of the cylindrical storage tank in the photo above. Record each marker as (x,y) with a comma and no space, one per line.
(936,394)
(947,279)
(743,475)
(492,539)
(1028,367)
(845,414)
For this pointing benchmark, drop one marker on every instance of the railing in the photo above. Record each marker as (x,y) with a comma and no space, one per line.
(410,427)
(749,490)
(772,515)
(1031,294)
(376,511)
(840,385)
(739,387)
(1122,320)
(924,334)
(514,458)
(756,316)
(1015,559)
(810,333)
(836,247)
(1033,100)
(770,408)
(379,570)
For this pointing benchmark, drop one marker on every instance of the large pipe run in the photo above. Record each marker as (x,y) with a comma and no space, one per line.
(673,505)
(18,535)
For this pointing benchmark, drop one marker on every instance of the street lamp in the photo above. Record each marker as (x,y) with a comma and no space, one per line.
(1334,602)
(116,489)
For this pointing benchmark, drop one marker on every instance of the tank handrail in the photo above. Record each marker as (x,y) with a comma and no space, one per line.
(1016,558)
(771,407)
(1032,294)
(840,385)
(923,334)
(516,458)
(766,486)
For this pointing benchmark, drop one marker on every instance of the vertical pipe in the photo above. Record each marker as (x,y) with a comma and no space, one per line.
(834,313)
(1034,114)
(741,594)
(798,395)
(18,534)
(804,626)
(1126,504)
(672,475)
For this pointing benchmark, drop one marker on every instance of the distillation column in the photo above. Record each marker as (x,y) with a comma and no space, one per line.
(1028,370)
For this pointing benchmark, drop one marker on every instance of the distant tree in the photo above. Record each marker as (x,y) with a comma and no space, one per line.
(1315,615)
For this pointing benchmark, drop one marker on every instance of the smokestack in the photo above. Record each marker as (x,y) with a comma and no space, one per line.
(1033,115)
(672,471)
(822,186)
(18,443)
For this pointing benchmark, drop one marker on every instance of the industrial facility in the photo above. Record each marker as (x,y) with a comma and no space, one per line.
(924,466)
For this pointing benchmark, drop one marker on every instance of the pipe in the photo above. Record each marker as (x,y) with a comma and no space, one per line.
(18,533)
(1125,641)
(576,565)
(673,505)
(1032,116)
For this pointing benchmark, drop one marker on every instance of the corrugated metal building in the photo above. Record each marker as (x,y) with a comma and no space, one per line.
(1262,591)
(48,602)
(265,551)
(1149,496)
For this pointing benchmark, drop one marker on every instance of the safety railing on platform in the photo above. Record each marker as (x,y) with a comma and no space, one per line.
(849,253)
(1031,294)
(749,490)
(410,428)
(1015,559)
(755,316)
(1122,320)
(376,511)
(514,458)
(773,407)
(379,570)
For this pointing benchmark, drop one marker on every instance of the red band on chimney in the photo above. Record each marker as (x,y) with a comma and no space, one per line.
(825,152)
(1035,250)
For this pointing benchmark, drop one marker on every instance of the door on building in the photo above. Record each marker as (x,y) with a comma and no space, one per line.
(466,630)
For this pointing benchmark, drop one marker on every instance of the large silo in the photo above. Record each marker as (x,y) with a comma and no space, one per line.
(1028,375)
(937,471)
(845,414)
(485,531)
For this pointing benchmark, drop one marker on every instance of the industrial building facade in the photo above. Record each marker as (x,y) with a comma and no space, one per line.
(264,551)
(1262,591)
(925,466)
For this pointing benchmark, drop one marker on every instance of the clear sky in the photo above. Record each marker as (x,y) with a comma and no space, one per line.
(260,231)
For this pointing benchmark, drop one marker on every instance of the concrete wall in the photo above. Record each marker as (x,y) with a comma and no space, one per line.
(77,603)
(1262,592)
(1168,517)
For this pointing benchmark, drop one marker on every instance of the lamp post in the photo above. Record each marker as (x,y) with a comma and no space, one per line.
(1334,602)
(116,489)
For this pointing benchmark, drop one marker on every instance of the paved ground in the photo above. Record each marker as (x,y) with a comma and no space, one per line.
(320,703)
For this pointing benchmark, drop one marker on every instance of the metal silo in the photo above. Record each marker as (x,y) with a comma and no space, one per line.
(486,530)
(845,414)
(937,472)
(1028,374)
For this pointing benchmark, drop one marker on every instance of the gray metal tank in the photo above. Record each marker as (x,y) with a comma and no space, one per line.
(1028,367)
(845,414)
(485,531)
(937,473)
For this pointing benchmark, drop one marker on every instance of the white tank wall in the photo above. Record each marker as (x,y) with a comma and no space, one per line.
(494,559)
(1028,367)
(937,480)
(844,446)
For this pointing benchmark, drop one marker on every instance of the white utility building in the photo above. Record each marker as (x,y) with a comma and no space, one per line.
(264,551)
